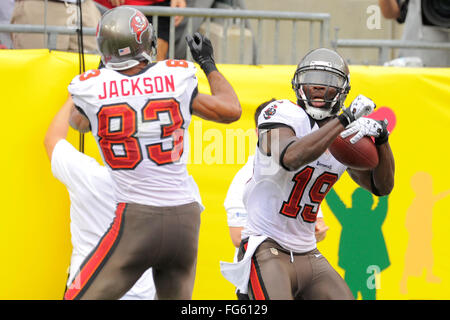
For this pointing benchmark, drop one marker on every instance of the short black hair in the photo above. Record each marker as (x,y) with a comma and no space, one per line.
(260,107)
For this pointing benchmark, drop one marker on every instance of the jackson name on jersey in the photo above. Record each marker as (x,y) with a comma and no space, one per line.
(139,86)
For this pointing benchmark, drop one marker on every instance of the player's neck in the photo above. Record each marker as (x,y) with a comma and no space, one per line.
(134,70)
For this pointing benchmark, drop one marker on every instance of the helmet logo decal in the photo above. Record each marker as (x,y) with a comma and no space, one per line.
(269,112)
(138,24)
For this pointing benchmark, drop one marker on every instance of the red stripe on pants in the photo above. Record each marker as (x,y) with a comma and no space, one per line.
(102,249)
(254,280)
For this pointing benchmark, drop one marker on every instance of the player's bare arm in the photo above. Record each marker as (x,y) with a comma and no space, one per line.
(58,127)
(297,152)
(79,121)
(320,229)
(380,180)
(235,234)
(383,175)
(223,104)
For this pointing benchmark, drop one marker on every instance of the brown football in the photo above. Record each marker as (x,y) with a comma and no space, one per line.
(362,155)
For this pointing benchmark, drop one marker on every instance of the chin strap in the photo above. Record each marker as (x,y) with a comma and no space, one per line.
(317,113)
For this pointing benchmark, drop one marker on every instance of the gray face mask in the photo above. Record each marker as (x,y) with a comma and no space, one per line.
(321,83)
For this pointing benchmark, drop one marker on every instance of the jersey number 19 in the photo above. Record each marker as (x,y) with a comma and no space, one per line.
(317,193)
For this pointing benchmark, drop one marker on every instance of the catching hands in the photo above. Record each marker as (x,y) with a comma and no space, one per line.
(367,127)
(202,52)
(361,106)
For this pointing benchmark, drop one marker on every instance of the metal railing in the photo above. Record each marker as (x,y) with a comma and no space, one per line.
(385,46)
(52,32)
(241,17)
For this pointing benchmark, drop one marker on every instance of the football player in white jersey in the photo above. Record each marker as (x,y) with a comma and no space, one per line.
(235,208)
(234,203)
(139,112)
(293,171)
(92,204)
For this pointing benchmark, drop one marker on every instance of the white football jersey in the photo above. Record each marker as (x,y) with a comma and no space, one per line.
(282,204)
(92,209)
(140,123)
(234,204)
(234,201)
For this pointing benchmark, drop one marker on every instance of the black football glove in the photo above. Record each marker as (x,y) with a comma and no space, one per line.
(202,51)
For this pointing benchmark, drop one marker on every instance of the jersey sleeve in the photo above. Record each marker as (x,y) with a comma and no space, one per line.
(192,83)
(186,73)
(183,71)
(285,113)
(69,165)
(191,69)
(82,86)
(279,113)
(234,204)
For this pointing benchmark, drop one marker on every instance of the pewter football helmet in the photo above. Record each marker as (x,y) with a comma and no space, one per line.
(124,38)
(323,68)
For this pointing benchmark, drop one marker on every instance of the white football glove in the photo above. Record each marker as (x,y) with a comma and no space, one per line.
(367,127)
(361,106)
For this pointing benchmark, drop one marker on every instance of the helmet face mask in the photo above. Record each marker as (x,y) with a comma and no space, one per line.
(321,83)
(124,38)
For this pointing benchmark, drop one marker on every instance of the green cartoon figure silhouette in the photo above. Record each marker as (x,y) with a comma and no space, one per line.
(362,249)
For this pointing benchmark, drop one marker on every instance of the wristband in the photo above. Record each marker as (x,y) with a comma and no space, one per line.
(208,67)
(382,139)
(344,119)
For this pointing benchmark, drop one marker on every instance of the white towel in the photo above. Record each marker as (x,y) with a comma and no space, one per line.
(238,273)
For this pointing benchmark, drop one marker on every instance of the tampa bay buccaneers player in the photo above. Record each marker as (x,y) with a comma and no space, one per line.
(293,171)
(92,205)
(139,113)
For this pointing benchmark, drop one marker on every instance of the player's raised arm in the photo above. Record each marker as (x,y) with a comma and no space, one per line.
(223,104)
(294,152)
